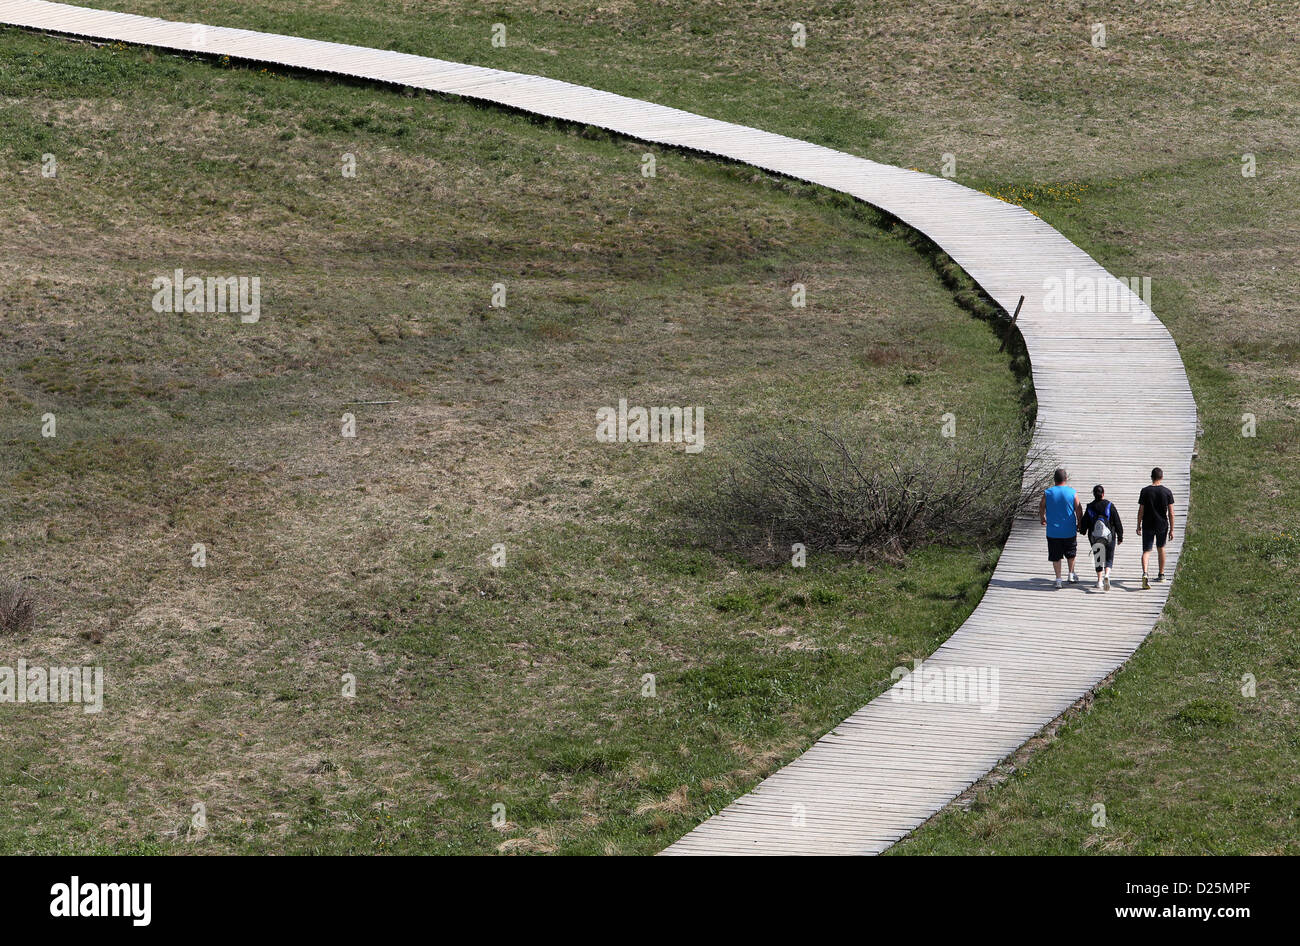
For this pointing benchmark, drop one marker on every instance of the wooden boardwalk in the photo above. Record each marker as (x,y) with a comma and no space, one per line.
(893,763)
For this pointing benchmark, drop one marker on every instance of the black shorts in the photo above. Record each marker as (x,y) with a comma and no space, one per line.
(1058,549)
(1155,537)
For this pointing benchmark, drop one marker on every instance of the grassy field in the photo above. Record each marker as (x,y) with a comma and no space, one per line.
(1135,151)
(524,685)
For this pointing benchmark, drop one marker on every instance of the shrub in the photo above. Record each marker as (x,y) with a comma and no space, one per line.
(847,493)
(1205,714)
(734,601)
(17,610)
(825,596)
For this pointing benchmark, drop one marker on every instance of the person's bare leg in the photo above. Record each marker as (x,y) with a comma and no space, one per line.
(1057,565)
(1072,567)
(1160,554)
(1146,557)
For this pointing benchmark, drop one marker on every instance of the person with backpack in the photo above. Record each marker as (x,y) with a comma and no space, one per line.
(1155,522)
(1060,510)
(1100,523)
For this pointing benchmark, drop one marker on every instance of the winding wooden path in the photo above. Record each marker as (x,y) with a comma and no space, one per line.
(894,763)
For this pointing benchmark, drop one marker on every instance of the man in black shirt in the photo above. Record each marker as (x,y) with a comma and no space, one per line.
(1155,522)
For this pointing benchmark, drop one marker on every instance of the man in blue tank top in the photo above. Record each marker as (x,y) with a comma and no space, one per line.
(1060,510)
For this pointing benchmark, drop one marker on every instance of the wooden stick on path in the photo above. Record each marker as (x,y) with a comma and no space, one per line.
(1012,327)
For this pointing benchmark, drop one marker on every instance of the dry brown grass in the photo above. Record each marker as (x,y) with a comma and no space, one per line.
(368,556)
(237,667)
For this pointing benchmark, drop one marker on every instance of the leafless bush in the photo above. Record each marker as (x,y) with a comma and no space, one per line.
(17,610)
(844,492)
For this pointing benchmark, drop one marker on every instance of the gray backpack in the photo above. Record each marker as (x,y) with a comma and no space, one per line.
(1101,531)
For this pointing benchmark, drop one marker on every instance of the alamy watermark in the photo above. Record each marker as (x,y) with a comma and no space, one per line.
(1080,292)
(87,899)
(181,293)
(946,684)
(625,424)
(23,684)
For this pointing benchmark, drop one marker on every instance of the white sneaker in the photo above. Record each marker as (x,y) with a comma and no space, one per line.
(1058,583)
(1099,583)
(1107,580)
(1074,579)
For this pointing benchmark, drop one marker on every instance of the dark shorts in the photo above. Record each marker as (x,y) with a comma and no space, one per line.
(1155,537)
(1107,550)
(1058,549)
